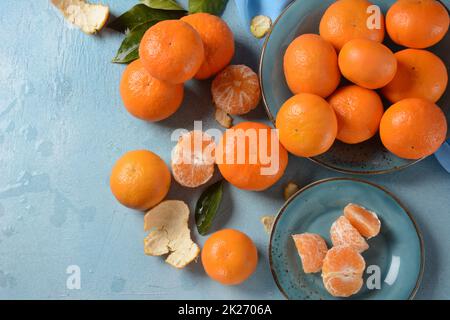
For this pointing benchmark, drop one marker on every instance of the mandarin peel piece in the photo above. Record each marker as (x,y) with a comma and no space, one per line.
(267,222)
(169,233)
(90,18)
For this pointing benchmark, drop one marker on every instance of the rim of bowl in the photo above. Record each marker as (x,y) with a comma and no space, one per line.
(272,118)
(313,184)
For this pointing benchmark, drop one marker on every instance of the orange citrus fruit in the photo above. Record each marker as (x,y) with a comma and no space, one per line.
(342,271)
(365,221)
(146,97)
(250,156)
(218,42)
(140,179)
(413,128)
(307,125)
(346,20)
(172,51)
(236,90)
(417,23)
(420,74)
(193,159)
(358,111)
(310,66)
(229,257)
(312,249)
(344,234)
(367,63)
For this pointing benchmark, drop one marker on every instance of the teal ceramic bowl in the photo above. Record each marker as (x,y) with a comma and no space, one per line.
(303,16)
(394,260)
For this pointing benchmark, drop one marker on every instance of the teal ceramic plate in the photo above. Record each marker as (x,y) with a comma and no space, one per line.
(303,16)
(396,254)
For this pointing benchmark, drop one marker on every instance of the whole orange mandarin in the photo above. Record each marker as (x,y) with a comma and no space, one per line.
(172,51)
(310,66)
(229,257)
(146,97)
(413,128)
(417,23)
(358,111)
(140,179)
(346,20)
(218,42)
(420,74)
(250,156)
(367,63)
(307,125)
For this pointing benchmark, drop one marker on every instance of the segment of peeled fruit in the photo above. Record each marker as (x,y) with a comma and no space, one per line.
(344,234)
(312,249)
(342,271)
(365,221)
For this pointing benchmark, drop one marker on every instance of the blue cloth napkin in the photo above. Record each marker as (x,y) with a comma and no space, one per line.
(251,8)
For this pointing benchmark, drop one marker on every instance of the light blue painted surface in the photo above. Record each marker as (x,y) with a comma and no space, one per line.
(62,126)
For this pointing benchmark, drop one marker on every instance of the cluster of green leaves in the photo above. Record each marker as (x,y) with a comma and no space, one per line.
(136,21)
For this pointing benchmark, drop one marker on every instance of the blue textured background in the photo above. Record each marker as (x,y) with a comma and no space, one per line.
(62,126)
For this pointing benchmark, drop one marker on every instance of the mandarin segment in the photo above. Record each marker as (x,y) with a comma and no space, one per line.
(250,156)
(229,257)
(413,128)
(236,90)
(218,42)
(365,221)
(172,51)
(307,125)
(417,23)
(310,66)
(312,249)
(146,97)
(420,74)
(342,271)
(193,159)
(358,111)
(344,234)
(346,20)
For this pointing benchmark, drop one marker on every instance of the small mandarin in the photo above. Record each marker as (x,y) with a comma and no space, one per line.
(413,128)
(250,156)
(310,66)
(420,74)
(193,159)
(140,179)
(346,20)
(172,51)
(236,90)
(417,23)
(307,125)
(358,111)
(218,42)
(367,63)
(146,97)
(229,257)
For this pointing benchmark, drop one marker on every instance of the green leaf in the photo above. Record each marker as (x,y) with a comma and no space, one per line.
(162,4)
(215,7)
(207,206)
(129,49)
(141,13)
